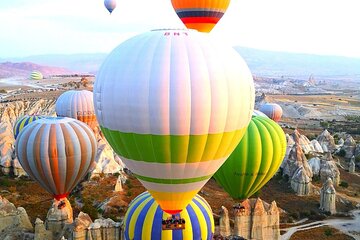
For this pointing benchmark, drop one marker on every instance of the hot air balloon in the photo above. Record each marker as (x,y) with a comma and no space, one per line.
(258,113)
(36,75)
(23,122)
(173,104)
(272,110)
(110,5)
(201,15)
(78,105)
(255,160)
(57,153)
(144,220)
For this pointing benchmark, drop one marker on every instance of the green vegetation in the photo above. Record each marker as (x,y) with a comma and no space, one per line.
(3,91)
(328,232)
(342,153)
(353,118)
(325,124)
(89,209)
(5,182)
(344,184)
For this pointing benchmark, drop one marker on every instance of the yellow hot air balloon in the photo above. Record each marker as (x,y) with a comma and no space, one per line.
(144,220)
(201,15)
(173,104)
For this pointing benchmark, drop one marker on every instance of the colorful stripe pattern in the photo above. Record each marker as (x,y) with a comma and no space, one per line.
(143,220)
(36,75)
(199,14)
(57,153)
(23,122)
(78,105)
(174,105)
(255,160)
(272,110)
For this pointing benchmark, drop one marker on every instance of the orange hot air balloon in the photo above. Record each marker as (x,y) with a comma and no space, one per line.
(201,15)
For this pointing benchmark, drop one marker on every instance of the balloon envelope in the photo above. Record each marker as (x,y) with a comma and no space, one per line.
(57,153)
(143,220)
(272,110)
(255,160)
(173,104)
(110,5)
(23,122)
(78,105)
(36,75)
(201,15)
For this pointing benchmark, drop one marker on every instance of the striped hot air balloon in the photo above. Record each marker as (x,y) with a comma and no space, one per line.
(57,153)
(143,220)
(173,104)
(78,105)
(36,75)
(255,160)
(23,122)
(272,110)
(201,15)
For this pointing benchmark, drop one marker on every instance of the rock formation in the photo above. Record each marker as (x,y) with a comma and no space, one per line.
(14,222)
(315,164)
(59,215)
(224,222)
(317,146)
(352,165)
(255,219)
(328,197)
(301,182)
(118,185)
(329,169)
(106,160)
(40,231)
(325,139)
(349,146)
(296,159)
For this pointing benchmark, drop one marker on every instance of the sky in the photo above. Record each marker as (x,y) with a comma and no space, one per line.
(36,27)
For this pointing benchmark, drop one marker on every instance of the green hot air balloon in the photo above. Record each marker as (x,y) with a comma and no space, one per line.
(255,160)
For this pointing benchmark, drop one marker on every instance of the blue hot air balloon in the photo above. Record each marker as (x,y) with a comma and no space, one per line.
(110,5)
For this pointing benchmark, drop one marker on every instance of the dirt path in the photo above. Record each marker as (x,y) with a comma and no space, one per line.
(350,227)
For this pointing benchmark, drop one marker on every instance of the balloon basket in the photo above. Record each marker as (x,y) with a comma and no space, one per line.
(173,223)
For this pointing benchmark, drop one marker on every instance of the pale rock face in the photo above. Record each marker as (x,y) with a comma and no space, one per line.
(315,164)
(316,146)
(328,197)
(329,169)
(40,231)
(352,165)
(10,113)
(13,220)
(257,220)
(340,143)
(301,182)
(357,150)
(58,216)
(106,160)
(326,139)
(295,160)
(349,146)
(225,229)
(118,186)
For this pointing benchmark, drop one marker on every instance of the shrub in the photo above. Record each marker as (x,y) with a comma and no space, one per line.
(328,232)
(357,158)
(325,124)
(5,183)
(344,184)
(342,153)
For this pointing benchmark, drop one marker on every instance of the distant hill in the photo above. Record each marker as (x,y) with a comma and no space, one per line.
(83,63)
(23,69)
(270,63)
(261,62)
